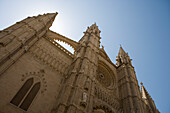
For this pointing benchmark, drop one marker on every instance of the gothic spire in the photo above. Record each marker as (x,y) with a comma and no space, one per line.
(148,99)
(123,57)
(121,51)
(51,16)
(46,19)
(93,29)
(144,93)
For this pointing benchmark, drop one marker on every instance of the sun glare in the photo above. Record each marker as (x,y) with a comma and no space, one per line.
(58,25)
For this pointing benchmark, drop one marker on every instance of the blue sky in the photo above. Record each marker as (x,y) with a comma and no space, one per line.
(141,27)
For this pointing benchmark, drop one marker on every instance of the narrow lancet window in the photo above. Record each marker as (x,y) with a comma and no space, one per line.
(22,92)
(26,94)
(29,98)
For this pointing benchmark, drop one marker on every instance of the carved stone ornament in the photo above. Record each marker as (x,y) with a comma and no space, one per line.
(84,99)
(38,76)
(105,77)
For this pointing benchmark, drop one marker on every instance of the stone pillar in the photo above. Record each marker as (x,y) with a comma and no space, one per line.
(78,89)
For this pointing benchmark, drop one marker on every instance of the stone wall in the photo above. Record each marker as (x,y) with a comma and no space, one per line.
(45,62)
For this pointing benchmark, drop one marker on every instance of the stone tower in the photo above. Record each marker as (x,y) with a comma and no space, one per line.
(38,75)
(128,84)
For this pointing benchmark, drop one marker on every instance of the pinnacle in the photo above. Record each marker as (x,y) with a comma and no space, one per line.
(94,25)
(121,51)
(141,84)
(47,14)
(143,90)
(51,14)
(94,29)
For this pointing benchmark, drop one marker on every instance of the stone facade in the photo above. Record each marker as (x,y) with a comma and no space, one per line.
(38,75)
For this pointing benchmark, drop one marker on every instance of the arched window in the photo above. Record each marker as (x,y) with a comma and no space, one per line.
(26,94)
(29,98)
(22,92)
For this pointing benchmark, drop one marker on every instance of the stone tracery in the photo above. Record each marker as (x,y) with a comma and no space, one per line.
(105,76)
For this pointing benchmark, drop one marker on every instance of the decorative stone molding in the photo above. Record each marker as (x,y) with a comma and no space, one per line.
(84,99)
(108,98)
(87,84)
(55,36)
(105,76)
(105,108)
(38,76)
(56,62)
(61,48)
(93,30)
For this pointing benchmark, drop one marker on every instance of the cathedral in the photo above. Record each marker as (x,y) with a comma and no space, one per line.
(38,75)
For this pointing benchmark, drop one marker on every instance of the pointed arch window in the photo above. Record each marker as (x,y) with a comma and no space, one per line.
(26,94)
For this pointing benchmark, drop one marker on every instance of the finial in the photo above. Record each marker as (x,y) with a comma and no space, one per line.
(102,47)
(141,83)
